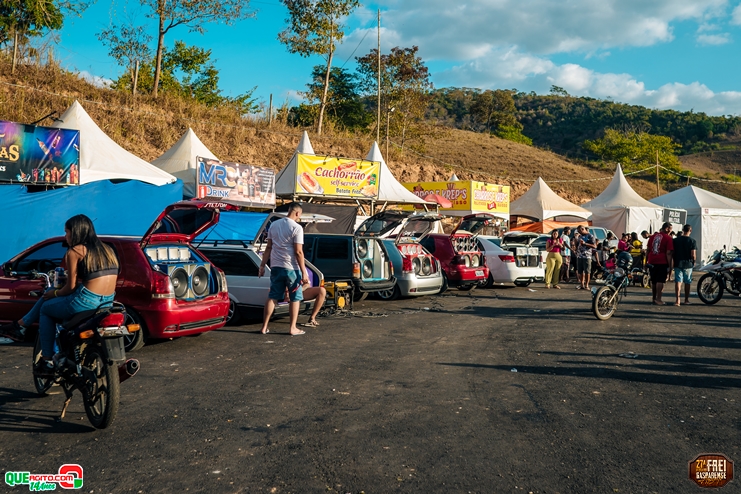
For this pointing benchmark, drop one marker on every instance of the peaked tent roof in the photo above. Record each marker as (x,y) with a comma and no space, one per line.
(542,203)
(180,160)
(101,158)
(390,190)
(285,180)
(694,199)
(619,194)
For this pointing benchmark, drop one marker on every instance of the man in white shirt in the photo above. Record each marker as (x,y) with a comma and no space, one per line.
(285,250)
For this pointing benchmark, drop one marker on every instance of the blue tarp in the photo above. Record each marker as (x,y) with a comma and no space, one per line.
(235,225)
(126,208)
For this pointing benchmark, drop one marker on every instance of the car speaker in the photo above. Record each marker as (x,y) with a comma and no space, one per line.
(199,279)
(363,249)
(178,274)
(417,265)
(475,262)
(367,268)
(426,265)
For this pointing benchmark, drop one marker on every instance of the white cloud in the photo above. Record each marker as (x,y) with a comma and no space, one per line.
(714,39)
(95,80)
(736,16)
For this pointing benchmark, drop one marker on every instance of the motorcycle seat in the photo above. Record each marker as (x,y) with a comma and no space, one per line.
(76,319)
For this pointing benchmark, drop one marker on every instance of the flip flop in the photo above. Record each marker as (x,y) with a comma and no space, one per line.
(265,332)
(311,324)
(298,334)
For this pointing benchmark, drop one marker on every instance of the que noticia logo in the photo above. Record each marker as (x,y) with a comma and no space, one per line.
(711,470)
(69,477)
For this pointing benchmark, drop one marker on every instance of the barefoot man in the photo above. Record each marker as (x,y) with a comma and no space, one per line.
(285,250)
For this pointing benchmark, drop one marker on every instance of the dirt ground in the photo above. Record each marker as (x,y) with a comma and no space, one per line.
(502,390)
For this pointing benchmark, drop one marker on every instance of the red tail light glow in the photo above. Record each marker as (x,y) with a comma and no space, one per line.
(507,258)
(162,286)
(112,320)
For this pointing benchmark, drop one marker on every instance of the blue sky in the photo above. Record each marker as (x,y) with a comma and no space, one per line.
(680,54)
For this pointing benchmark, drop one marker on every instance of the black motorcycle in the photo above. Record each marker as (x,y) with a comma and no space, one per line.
(723,274)
(605,299)
(91,358)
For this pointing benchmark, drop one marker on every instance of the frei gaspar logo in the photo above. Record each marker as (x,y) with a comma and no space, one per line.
(68,477)
(711,470)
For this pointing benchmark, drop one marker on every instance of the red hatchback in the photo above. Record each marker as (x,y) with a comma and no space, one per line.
(463,264)
(167,286)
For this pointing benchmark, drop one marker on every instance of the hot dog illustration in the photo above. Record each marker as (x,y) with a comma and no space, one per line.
(347,167)
(308,183)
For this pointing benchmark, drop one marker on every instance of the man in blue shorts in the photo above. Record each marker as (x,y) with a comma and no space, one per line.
(685,255)
(285,250)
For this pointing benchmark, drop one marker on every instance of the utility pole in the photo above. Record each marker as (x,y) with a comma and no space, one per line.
(136,78)
(378,120)
(657,174)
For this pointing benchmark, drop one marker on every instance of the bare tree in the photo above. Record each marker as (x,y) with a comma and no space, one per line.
(314,28)
(194,14)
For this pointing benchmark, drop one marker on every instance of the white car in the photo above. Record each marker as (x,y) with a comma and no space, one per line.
(520,268)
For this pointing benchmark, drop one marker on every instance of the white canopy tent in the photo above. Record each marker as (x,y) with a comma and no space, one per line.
(285,181)
(101,158)
(619,208)
(390,190)
(180,160)
(541,203)
(715,219)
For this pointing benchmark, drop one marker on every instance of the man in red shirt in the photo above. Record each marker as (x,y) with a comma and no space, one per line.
(660,249)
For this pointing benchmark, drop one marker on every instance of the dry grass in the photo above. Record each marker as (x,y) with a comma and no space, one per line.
(148,127)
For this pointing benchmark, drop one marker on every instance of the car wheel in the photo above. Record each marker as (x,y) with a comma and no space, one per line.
(234,317)
(522,284)
(467,288)
(446,285)
(136,340)
(391,294)
(359,296)
(488,283)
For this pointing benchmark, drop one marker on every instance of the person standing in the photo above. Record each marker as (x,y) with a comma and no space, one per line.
(685,255)
(285,250)
(660,250)
(566,254)
(553,261)
(585,249)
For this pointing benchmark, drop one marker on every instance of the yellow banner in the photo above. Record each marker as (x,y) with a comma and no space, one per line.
(337,177)
(466,196)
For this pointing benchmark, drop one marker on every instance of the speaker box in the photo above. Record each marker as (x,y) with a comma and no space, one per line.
(191,280)
(371,258)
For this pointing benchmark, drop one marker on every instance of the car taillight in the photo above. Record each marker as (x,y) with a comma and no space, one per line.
(162,286)
(406,265)
(507,258)
(112,320)
(222,281)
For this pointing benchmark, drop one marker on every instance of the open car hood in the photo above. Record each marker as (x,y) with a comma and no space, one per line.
(520,238)
(473,223)
(183,221)
(407,226)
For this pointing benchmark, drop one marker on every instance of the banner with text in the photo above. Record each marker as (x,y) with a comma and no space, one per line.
(247,185)
(467,196)
(337,177)
(39,155)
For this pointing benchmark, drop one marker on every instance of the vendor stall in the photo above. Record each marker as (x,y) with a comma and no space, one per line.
(467,197)
(541,210)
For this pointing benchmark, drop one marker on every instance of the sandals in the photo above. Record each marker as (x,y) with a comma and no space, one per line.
(12,330)
(311,324)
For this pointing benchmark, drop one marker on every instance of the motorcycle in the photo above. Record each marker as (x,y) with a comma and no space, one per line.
(90,357)
(605,299)
(723,274)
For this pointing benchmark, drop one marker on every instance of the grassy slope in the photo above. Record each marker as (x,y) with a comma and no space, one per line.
(147,128)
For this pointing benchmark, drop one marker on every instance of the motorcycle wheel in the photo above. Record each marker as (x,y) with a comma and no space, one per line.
(602,308)
(102,389)
(709,289)
(42,384)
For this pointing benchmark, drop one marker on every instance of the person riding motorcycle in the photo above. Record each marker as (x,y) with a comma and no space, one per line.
(93,271)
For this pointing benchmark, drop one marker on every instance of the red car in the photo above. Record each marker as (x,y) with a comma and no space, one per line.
(167,286)
(463,264)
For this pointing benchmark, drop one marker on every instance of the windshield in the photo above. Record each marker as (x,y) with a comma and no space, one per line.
(234,225)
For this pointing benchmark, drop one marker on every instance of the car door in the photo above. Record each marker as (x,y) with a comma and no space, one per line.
(241,267)
(19,292)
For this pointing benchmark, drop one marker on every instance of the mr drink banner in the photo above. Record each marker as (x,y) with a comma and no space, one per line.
(39,155)
(247,185)
(336,177)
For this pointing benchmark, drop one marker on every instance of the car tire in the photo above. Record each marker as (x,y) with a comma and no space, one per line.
(467,288)
(445,285)
(523,284)
(138,339)
(358,296)
(234,317)
(488,283)
(392,294)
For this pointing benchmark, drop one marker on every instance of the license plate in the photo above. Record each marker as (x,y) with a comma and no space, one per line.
(479,272)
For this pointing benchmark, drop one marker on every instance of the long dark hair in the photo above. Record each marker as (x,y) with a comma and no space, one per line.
(99,255)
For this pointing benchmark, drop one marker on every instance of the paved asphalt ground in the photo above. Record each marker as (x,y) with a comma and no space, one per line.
(412,396)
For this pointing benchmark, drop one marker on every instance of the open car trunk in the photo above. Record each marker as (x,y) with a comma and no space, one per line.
(519,244)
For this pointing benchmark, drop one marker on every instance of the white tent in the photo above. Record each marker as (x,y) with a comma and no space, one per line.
(541,203)
(180,160)
(285,182)
(390,190)
(619,208)
(715,219)
(101,158)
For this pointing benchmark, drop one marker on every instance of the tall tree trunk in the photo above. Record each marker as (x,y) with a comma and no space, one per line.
(323,104)
(15,50)
(160,46)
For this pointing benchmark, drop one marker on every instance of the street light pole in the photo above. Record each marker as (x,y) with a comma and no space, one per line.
(388,122)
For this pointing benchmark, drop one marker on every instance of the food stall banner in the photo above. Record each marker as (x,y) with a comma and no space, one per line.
(39,155)
(467,196)
(337,177)
(246,185)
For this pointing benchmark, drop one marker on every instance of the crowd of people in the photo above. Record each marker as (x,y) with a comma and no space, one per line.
(665,255)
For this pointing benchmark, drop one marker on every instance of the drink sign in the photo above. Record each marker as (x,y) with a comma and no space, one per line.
(247,185)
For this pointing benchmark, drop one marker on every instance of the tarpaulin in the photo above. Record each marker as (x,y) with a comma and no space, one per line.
(126,208)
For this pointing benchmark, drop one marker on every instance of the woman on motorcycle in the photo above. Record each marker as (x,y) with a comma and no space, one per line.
(91,282)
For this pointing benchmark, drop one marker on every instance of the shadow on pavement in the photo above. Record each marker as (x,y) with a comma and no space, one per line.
(14,417)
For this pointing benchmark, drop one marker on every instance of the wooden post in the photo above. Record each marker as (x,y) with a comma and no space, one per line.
(378,120)
(136,78)
(15,51)
(657,174)
(270,110)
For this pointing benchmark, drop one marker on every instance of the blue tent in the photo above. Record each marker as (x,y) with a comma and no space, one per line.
(126,208)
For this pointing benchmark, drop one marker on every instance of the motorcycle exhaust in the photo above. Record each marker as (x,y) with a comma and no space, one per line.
(128,369)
